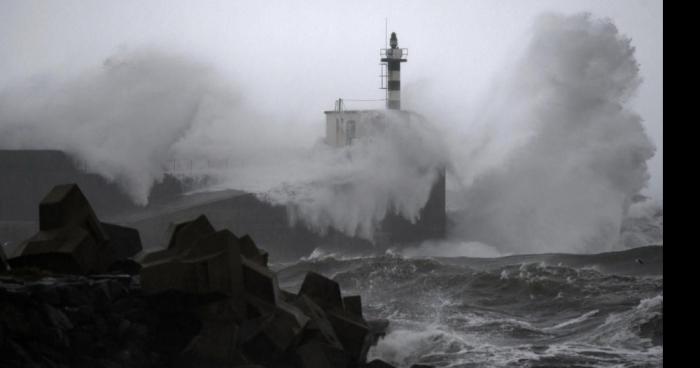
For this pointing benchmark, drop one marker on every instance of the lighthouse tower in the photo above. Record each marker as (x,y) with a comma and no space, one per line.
(393,58)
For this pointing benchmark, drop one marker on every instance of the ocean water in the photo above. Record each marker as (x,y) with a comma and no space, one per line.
(552,310)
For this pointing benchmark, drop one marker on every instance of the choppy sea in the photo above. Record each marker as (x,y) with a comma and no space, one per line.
(545,310)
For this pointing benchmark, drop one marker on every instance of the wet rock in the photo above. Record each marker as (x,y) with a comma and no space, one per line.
(266,338)
(83,314)
(13,318)
(50,294)
(172,331)
(125,266)
(209,299)
(111,321)
(110,289)
(225,311)
(4,266)
(215,345)
(56,318)
(16,356)
(74,295)
(317,355)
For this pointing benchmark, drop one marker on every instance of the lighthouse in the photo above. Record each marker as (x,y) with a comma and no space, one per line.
(393,57)
(346,126)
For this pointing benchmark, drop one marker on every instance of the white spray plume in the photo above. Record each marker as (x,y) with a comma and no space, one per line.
(145,113)
(391,170)
(551,166)
(577,155)
(121,119)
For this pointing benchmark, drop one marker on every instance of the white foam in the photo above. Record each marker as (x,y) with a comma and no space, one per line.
(572,321)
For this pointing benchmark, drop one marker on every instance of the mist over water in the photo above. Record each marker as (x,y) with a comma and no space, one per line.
(552,166)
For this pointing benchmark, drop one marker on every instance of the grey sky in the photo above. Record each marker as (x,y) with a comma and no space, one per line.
(294,58)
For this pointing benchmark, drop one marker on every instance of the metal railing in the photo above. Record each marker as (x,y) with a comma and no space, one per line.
(383,54)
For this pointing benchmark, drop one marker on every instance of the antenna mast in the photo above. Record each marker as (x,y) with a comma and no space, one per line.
(386,30)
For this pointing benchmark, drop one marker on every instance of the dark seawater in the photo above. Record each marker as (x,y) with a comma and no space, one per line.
(553,310)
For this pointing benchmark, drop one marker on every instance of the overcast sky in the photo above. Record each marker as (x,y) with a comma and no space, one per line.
(295,57)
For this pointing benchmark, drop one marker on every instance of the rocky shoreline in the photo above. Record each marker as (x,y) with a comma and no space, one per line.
(81,293)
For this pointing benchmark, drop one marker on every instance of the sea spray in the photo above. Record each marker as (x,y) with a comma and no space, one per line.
(554,164)
(389,171)
(568,181)
(120,119)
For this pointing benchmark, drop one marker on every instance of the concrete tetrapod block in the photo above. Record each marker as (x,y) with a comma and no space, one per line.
(353,305)
(266,338)
(66,206)
(287,296)
(70,239)
(212,243)
(252,252)
(187,233)
(260,282)
(293,312)
(216,273)
(145,257)
(168,274)
(216,259)
(352,333)
(212,265)
(318,328)
(258,307)
(71,251)
(322,290)
(183,239)
(124,242)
